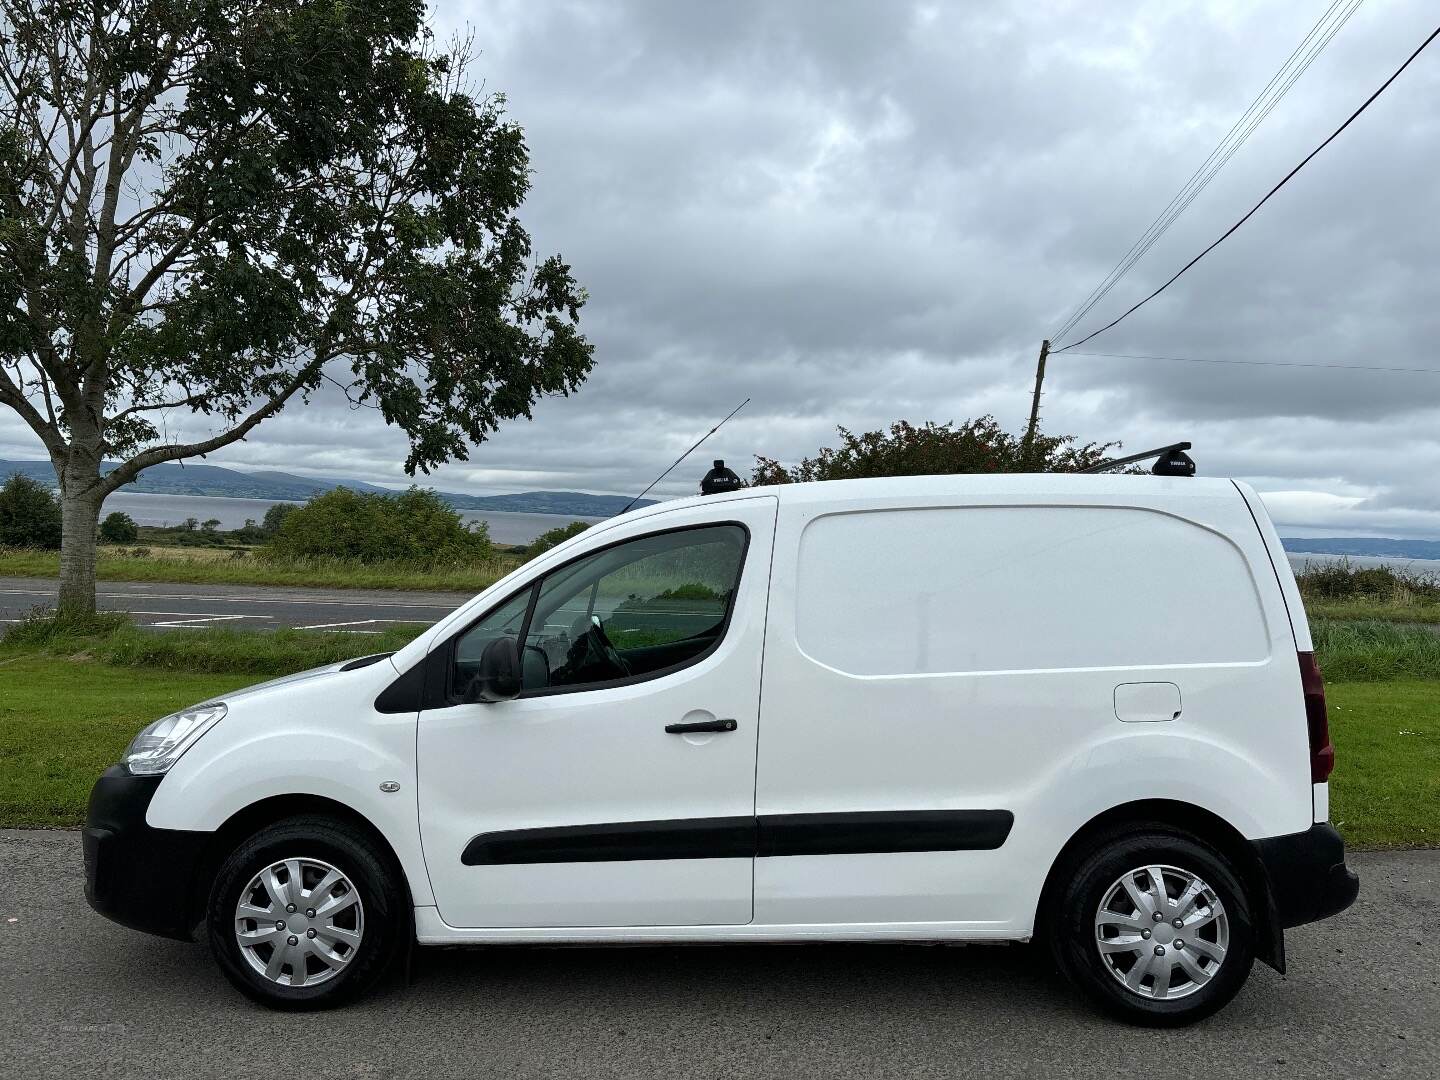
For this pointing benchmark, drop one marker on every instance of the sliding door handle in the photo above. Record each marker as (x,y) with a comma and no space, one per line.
(702,725)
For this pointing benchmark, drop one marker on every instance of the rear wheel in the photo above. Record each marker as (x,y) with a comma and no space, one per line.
(1154,926)
(306,914)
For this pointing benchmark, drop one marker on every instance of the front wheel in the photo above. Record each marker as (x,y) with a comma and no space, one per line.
(1155,927)
(306,914)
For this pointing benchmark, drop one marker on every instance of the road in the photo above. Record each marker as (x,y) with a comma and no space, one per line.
(80,997)
(164,606)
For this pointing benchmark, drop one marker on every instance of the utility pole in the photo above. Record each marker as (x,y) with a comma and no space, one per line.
(1035,399)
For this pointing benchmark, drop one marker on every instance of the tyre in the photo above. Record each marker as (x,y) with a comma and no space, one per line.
(307,914)
(1154,926)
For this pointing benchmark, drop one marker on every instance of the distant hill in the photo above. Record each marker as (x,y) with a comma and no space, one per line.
(173,478)
(1376,546)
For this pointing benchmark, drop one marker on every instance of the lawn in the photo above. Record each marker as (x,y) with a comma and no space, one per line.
(63,720)
(1386,788)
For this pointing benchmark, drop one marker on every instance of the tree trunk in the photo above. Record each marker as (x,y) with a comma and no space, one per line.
(79,516)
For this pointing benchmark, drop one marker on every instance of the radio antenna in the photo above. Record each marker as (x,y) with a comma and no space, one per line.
(682,457)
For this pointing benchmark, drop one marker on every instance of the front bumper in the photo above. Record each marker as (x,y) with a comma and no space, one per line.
(139,876)
(1307,873)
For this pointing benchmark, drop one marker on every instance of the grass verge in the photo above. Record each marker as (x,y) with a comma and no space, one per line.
(63,722)
(1397,611)
(1370,650)
(113,641)
(183,566)
(1385,791)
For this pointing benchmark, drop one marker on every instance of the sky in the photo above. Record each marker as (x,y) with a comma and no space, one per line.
(858,212)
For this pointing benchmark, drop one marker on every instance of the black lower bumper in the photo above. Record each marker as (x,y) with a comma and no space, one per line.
(1308,876)
(137,875)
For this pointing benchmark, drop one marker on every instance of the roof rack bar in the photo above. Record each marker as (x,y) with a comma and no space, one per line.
(1115,463)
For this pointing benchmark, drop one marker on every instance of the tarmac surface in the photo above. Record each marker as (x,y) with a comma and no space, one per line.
(163,605)
(81,997)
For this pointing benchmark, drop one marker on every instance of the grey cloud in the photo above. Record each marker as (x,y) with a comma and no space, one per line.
(856,212)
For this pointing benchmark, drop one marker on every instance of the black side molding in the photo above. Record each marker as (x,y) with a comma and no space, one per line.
(768,836)
(887,831)
(627,841)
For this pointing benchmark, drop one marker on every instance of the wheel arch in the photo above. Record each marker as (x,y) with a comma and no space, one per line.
(268,811)
(1187,817)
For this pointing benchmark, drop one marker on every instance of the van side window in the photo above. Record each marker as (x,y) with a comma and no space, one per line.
(644,607)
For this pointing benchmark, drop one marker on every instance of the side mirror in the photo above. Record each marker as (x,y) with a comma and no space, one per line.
(498,678)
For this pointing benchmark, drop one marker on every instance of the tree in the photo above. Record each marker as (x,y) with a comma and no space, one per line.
(550,537)
(274,516)
(29,515)
(934,449)
(119,528)
(210,525)
(414,526)
(219,207)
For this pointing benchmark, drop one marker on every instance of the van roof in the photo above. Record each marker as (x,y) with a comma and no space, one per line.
(1122,486)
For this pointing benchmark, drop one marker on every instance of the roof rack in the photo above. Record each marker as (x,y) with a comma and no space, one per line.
(1170,461)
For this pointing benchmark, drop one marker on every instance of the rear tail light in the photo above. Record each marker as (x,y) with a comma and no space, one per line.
(1322,753)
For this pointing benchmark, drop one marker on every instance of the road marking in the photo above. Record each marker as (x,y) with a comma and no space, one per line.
(203,620)
(357,622)
(194,614)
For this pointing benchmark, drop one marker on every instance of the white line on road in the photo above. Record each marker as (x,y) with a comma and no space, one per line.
(199,622)
(332,625)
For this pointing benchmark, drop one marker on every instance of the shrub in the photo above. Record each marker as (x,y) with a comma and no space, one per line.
(119,528)
(414,527)
(270,525)
(1344,580)
(976,446)
(551,537)
(29,515)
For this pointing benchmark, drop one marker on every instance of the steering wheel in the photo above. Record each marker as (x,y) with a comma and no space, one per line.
(593,657)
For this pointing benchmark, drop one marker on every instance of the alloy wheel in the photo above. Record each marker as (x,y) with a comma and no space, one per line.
(1162,932)
(299,922)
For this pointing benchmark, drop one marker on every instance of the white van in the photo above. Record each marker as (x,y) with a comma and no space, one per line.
(959,709)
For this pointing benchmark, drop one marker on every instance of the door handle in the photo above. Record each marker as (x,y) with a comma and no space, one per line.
(702,725)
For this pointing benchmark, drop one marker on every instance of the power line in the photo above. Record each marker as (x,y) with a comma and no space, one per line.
(1287,178)
(1312,45)
(1263,363)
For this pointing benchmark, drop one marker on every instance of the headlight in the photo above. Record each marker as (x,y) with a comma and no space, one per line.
(160,745)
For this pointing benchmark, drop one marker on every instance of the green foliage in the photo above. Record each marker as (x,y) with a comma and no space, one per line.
(551,537)
(220,207)
(976,446)
(1371,650)
(274,516)
(29,514)
(119,528)
(415,527)
(1343,580)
